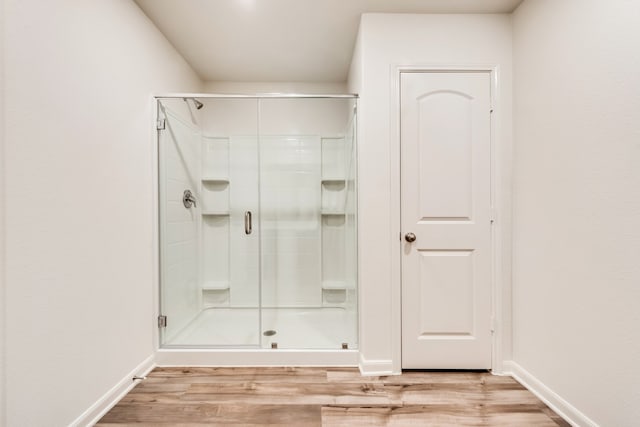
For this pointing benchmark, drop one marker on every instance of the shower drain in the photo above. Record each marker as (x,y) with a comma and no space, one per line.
(269,333)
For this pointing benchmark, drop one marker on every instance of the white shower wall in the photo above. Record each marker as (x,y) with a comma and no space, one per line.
(290,220)
(243,251)
(300,143)
(313,133)
(228,255)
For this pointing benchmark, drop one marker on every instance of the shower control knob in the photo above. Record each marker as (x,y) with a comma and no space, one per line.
(188,200)
(410,237)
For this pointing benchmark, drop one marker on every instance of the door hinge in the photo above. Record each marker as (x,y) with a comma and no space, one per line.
(162,321)
(161,124)
(492,216)
(493,324)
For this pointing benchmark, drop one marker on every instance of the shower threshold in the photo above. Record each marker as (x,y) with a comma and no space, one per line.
(288,336)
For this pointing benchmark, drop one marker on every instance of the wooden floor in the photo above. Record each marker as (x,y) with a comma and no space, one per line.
(295,397)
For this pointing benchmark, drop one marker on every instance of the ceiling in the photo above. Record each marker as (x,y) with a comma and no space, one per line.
(282,40)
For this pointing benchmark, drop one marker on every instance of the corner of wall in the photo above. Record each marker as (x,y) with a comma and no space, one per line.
(354,79)
(554,401)
(93,414)
(171,46)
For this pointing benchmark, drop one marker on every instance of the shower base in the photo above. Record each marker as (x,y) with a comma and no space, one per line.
(234,337)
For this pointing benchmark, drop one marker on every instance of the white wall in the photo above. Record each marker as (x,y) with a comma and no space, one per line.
(576,272)
(275,87)
(386,40)
(2,222)
(79,195)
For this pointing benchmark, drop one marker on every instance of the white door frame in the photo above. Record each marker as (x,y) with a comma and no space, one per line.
(501,307)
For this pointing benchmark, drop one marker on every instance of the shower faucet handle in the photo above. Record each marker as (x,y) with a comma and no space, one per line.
(188,200)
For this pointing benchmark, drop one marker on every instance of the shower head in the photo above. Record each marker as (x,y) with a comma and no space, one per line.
(197,103)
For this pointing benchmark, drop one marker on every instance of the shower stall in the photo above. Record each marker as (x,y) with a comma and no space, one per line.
(257,227)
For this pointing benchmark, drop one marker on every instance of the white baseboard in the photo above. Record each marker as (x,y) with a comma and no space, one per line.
(117,392)
(376,367)
(560,406)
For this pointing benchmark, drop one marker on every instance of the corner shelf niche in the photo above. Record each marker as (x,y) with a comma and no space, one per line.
(216,221)
(215,180)
(333,187)
(214,213)
(336,285)
(215,286)
(333,191)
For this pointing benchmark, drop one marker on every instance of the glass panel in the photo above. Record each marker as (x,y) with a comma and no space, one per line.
(209,262)
(351,230)
(307,200)
(267,256)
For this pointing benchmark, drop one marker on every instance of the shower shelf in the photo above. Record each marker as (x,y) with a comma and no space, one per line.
(215,213)
(333,213)
(334,179)
(215,286)
(214,179)
(334,285)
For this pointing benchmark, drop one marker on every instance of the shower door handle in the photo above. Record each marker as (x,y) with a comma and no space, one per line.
(247,222)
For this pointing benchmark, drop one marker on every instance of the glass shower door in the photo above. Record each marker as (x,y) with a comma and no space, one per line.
(257,207)
(210,246)
(306,200)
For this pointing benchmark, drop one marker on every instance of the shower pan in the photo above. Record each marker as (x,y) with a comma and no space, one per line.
(257,229)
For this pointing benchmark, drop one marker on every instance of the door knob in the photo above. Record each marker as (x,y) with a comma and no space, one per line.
(410,237)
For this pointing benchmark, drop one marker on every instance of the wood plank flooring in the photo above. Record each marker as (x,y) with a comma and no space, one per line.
(327,397)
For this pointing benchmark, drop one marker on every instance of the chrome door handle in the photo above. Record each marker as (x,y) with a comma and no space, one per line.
(247,222)
(410,237)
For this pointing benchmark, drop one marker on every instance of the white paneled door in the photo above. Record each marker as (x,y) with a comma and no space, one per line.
(446,213)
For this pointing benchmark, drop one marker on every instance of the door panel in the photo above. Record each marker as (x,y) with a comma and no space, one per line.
(446,203)
(446,299)
(209,264)
(445,155)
